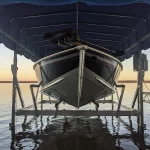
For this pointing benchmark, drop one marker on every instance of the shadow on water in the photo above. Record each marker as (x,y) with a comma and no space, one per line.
(74,134)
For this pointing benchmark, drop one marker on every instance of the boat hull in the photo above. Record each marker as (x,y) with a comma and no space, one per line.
(79,76)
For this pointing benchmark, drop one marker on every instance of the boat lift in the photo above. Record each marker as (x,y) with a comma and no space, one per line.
(129,111)
(118,30)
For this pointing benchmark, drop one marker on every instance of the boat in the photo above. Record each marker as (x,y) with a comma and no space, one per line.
(79,75)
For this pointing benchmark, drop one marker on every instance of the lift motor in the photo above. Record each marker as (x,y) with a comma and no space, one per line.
(69,38)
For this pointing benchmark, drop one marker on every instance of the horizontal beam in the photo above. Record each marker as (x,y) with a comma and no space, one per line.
(54,101)
(49,101)
(104,101)
(77,113)
(147,93)
(147,101)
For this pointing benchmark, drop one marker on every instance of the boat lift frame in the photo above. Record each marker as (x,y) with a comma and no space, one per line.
(129,111)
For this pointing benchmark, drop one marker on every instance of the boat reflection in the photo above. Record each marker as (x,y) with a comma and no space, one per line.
(82,134)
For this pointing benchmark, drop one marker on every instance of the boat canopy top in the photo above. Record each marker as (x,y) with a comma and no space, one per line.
(118,25)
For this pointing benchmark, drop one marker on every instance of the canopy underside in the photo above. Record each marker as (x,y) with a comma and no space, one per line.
(118,27)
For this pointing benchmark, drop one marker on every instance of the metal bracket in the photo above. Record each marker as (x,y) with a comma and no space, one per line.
(135,97)
(96,107)
(57,107)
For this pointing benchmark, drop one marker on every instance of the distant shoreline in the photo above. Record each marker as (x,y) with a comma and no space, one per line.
(120,81)
(19,81)
(131,81)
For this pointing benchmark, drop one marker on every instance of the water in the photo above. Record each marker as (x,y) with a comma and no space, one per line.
(46,133)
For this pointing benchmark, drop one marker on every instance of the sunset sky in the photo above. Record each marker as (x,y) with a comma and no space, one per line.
(26,72)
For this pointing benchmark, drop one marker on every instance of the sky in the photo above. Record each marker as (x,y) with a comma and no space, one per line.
(26,72)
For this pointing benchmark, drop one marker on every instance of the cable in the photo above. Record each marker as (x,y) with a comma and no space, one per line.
(146,86)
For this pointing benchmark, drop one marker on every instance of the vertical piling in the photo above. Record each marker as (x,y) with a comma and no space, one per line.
(14,92)
(140,94)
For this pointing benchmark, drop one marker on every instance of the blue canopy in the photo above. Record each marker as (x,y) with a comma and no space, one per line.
(118,27)
(62,2)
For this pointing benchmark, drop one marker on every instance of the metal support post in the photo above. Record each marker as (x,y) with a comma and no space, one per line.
(19,93)
(121,95)
(33,96)
(12,125)
(140,94)
(135,97)
(37,92)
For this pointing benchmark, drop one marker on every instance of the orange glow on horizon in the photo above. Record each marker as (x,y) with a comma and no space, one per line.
(22,76)
(26,72)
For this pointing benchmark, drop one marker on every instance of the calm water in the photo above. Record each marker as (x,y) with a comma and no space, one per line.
(46,133)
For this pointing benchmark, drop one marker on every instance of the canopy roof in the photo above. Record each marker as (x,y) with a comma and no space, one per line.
(105,23)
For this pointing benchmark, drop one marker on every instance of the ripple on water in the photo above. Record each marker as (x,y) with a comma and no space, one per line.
(90,134)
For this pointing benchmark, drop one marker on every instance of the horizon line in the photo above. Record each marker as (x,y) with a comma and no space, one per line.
(22,81)
(9,81)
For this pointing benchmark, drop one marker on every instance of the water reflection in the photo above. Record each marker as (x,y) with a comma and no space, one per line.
(121,134)
(83,134)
